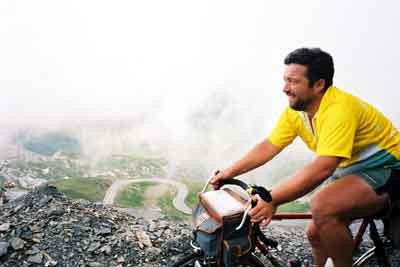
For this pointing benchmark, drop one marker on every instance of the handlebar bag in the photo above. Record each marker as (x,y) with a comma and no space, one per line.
(207,231)
(216,217)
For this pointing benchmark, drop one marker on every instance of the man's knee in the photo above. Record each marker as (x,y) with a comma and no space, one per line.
(313,235)
(322,212)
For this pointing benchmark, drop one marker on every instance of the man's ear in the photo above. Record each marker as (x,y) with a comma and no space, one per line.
(319,86)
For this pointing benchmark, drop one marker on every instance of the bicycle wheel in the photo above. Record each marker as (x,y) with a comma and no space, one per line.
(369,258)
(189,260)
(195,258)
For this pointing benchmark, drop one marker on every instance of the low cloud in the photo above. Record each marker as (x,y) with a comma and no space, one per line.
(197,82)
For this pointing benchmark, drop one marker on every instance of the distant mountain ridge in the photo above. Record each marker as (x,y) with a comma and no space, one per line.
(50,143)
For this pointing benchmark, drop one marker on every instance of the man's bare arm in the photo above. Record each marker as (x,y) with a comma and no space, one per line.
(305,180)
(298,185)
(257,156)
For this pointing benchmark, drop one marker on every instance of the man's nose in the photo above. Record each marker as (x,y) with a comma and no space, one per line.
(286,88)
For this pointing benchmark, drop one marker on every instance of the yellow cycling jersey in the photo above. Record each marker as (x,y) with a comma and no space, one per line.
(344,126)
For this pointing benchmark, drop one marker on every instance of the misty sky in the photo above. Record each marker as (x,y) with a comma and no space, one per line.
(86,62)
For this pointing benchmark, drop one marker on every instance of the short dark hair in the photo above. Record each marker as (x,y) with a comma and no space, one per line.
(318,62)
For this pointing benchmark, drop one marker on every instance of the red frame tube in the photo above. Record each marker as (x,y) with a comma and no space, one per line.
(291,216)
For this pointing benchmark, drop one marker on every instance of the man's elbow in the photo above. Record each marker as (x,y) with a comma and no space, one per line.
(326,165)
(327,172)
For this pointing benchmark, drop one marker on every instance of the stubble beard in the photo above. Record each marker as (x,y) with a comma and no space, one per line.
(301,105)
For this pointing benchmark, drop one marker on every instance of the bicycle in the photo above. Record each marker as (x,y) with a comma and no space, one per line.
(379,255)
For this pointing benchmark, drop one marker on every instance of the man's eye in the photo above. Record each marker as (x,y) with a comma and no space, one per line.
(291,80)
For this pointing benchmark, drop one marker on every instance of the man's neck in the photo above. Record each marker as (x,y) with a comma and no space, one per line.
(313,107)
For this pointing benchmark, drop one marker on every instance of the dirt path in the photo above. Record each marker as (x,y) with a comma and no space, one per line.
(178,202)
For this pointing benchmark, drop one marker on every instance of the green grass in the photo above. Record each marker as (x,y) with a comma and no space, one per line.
(133,195)
(194,187)
(92,189)
(165,203)
(295,206)
(2,179)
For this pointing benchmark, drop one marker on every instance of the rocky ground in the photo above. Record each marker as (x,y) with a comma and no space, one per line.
(44,228)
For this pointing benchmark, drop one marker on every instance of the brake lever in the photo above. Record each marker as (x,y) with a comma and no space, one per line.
(244,217)
(208,182)
(205,186)
(253,203)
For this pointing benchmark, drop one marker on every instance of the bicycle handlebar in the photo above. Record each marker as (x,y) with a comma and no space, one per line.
(250,189)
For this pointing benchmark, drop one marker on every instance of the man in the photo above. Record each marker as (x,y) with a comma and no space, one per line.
(354,144)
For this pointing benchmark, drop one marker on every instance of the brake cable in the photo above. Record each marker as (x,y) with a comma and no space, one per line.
(255,190)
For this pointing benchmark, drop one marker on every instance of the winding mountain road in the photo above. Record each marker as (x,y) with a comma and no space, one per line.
(178,202)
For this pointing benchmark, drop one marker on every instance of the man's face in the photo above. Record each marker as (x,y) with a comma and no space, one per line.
(296,87)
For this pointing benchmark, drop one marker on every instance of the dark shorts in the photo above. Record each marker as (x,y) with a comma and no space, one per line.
(381,180)
(381,171)
(376,178)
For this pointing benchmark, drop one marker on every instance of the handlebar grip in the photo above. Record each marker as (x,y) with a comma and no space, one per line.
(251,189)
(262,192)
(232,181)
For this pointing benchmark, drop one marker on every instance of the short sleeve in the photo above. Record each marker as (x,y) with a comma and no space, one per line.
(284,132)
(337,131)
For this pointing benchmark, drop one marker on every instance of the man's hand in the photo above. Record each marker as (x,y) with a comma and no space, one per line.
(220,175)
(262,212)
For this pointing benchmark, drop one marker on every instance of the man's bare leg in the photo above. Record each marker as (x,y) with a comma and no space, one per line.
(338,242)
(334,206)
(319,253)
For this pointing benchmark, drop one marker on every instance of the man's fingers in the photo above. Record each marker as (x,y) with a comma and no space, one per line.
(261,213)
(215,185)
(214,180)
(257,208)
(265,222)
(258,217)
(258,212)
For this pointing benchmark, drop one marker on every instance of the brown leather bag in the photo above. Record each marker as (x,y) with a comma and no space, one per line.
(216,218)
(223,203)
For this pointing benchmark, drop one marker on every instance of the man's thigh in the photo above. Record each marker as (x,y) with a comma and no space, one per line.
(347,198)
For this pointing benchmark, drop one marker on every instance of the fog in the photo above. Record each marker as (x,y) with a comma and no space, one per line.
(198,81)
